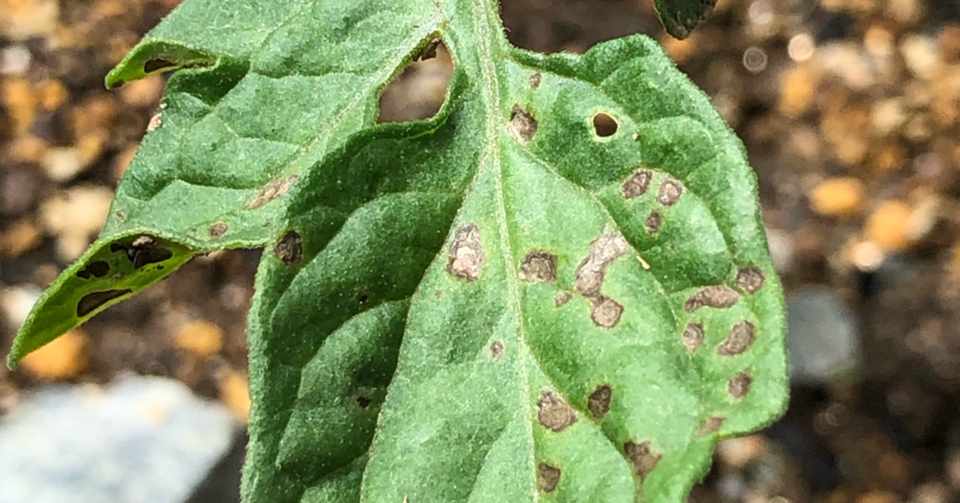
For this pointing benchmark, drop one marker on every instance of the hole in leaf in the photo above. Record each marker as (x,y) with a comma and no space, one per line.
(363,402)
(157,64)
(149,255)
(92,301)
(604,125)
(143,251)
(96,269)
(418,91)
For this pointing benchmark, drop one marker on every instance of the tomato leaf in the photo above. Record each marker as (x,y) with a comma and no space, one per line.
(556,288)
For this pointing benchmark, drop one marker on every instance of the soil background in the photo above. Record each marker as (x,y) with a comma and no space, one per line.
(850,112)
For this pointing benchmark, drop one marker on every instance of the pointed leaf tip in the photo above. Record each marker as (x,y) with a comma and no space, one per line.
(111,271)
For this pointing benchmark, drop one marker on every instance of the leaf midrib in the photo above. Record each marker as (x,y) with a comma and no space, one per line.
(494,106)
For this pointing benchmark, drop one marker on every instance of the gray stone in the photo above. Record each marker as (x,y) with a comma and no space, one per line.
(138,440)
(824,339)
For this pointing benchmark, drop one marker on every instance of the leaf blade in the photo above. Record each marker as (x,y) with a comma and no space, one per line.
(561,273)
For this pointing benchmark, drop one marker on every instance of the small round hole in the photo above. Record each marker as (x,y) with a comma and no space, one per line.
(604,125)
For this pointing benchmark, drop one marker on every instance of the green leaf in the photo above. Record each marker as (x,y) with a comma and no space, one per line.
(558,288)
(680,17)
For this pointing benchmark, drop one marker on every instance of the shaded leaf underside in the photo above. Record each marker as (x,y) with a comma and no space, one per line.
(497,304)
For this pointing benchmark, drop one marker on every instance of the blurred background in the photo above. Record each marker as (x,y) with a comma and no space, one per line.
(850,111)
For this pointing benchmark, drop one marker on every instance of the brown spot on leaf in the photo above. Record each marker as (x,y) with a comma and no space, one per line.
(466,253)
(362,401)
(218,229)
(96,269)
(274,189)
(522,124)
(670,192)
(637,184)
(692,336)
(535,80)
(603,251)
(740,338)
(750,279)
(711,425)
(496,349)
(604,125)
(606,312)
(739,385)
(716,296)
(92,301)
(290,248)
(599,401)
(554,414)
(642,457)
(653,222)
(561,298)
(547,477)
(539,266)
